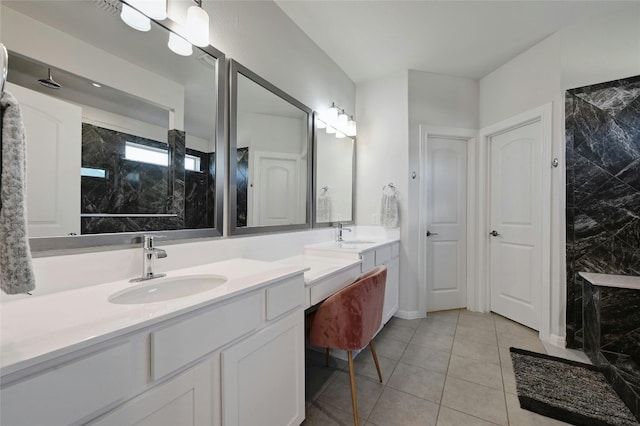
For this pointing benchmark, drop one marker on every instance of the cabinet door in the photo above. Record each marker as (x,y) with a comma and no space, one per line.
(263,376)
(392,288)
(187,399)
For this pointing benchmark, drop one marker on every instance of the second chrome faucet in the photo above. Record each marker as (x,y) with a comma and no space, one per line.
(149,255)
(340,228)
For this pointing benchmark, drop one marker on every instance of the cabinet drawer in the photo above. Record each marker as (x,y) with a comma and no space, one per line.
(68,393)
(179,344)
(284,297)
(395,250)
(383,254)
(368,261)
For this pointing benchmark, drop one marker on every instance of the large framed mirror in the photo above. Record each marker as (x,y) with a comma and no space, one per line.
(333,176)
(124,136)
(270,152)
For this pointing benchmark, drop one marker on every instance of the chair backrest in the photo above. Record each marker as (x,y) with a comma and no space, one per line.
(349,319)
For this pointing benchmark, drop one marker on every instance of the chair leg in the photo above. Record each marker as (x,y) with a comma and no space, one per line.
(354,396)
(326,356)
(375,359)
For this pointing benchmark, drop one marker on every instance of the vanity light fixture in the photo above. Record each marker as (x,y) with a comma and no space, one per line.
(343,120)
(134,19)
(154,9)
(351,127)
(197,25)
(337,121)
(332,115)
(179,45)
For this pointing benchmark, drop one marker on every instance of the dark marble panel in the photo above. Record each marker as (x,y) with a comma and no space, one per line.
(588,178)
(611,96)
(631,114)
(613,146)
(211,190)
(631,174)
(105,225)
(242,183)
(587,121)
(620,321)
(614,205)
(630,235)
(176,186)
(591,319)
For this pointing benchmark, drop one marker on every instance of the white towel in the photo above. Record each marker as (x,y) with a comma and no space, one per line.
(16,269)
(323,209)
(389,211)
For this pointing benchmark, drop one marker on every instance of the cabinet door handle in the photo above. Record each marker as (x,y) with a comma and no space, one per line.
(429,233)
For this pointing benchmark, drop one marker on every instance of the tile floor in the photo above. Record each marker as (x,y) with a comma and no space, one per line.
(452,368)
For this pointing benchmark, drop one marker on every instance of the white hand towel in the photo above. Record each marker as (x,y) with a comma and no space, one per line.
(389,211)
(323,210)
(16,269)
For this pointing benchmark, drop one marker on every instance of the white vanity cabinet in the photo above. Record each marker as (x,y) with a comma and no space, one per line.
(239,361)
(371,256)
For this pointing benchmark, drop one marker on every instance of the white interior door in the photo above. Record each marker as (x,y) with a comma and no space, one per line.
(446,239)
(54,143)
(516,223)
(275,186)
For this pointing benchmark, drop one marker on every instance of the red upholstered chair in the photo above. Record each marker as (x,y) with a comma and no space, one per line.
(349,319)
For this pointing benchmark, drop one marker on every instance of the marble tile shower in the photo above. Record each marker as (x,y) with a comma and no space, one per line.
(603,217)
(157,197)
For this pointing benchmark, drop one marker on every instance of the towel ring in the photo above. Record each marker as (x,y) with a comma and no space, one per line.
(391,187)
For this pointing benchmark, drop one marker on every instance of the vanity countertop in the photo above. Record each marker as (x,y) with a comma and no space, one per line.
(38,329)
(320,268)
(358,245)
(609,280)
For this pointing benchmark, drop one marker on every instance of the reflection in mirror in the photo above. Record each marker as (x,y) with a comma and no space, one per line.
(270,157)
(334,178)
(123,134)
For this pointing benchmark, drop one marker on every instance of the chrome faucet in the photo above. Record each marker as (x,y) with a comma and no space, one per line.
(149,255)
(340,228)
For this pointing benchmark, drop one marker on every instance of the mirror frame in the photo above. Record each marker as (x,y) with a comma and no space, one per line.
(330,224)
(236,68)
(87,242)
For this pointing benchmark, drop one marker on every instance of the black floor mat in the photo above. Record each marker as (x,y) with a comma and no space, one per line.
(570,391)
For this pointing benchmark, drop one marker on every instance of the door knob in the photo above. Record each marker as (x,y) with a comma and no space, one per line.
(429,233)
(494,233)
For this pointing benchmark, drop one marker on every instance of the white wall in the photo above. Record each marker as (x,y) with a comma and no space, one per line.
(439,101)
(334,159)
(382,153)
(599,50)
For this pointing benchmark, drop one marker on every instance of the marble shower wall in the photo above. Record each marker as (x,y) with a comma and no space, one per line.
(603,187)
(143,196)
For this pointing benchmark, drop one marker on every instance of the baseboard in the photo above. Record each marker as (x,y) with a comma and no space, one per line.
(557,340)
(409,315)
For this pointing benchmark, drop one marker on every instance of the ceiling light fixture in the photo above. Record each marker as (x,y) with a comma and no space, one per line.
(179,45)
(197,25)
(134,19)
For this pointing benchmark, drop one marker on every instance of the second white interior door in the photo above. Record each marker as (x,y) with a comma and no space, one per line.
(446,239)
(515,264)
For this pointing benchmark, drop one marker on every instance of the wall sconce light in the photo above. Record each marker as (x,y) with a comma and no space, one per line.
(197,25)
(134,19)
(337,121)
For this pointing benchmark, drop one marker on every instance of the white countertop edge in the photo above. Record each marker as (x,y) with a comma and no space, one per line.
(241,285)
(338,264)
(356,248)
(610,280)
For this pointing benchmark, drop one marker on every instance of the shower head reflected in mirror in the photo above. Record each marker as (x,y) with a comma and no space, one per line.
(49,82)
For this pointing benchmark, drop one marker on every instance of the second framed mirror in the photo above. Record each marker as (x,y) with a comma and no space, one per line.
(270,152)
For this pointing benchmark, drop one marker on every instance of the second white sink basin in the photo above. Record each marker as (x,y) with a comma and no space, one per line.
(160,289)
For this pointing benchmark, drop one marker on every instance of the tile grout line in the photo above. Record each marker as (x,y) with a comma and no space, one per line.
(446,374)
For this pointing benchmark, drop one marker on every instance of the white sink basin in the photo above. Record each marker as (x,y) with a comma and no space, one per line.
(160,289)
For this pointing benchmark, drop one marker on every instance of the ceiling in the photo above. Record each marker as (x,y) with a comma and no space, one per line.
(372,39)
